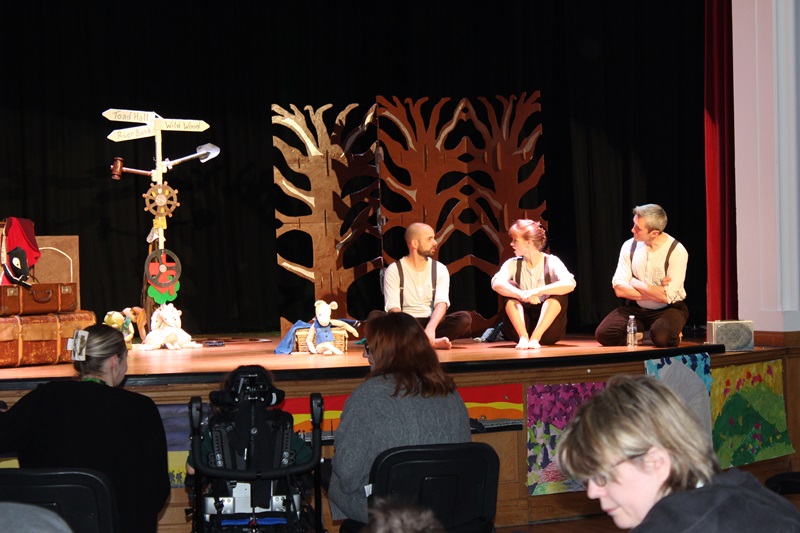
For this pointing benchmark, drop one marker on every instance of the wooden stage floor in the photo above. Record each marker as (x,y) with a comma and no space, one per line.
(210,363)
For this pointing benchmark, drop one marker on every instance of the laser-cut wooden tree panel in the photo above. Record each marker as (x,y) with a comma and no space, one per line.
(467,170)
(461,168)
(321,165)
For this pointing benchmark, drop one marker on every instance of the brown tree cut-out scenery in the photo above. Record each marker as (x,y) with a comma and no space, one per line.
(467,170)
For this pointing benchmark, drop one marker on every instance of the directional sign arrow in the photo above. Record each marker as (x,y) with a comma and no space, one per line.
(136,132)
(180,124)
(129,115)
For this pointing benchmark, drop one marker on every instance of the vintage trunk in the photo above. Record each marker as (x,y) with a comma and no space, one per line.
(28,340)
(39,339)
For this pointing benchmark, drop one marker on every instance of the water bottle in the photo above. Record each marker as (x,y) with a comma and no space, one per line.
(631,332)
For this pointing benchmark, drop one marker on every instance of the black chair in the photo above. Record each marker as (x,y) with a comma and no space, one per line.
(458,482)
(784,483)
(82,497)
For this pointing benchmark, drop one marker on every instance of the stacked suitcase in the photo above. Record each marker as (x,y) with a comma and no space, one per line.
(36,322)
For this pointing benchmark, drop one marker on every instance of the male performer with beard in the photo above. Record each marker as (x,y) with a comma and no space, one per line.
(419,285)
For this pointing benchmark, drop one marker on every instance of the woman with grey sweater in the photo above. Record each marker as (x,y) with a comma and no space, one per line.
(406,399)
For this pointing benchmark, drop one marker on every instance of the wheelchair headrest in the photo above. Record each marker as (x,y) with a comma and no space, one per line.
(247,384)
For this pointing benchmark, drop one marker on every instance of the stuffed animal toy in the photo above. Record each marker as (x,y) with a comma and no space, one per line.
(124,321)
(139,317)
(120,322)
(166,331)
(320,334)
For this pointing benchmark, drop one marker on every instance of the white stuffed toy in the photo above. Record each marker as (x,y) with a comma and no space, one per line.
(166,331)
(320,334)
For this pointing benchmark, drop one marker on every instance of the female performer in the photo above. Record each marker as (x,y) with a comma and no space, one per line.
(536,285)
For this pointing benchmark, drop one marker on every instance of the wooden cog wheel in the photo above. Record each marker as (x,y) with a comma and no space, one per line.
(161,200)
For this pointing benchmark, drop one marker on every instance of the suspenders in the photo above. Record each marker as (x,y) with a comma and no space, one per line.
(434,265)
(518,275)
(666,261)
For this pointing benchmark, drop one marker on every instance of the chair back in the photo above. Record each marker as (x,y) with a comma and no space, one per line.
(458,482)
(82,497)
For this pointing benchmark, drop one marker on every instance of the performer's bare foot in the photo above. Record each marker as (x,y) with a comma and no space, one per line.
(442,343)
(522,344)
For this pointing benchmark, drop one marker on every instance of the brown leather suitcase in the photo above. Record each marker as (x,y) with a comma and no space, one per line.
(44,298)
(10,300)
(40,299)
(39,339)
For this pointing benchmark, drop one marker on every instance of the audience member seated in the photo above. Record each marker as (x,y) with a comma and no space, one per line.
(389,517)
(406,399)
(300,449)
(92,422)
(644,455)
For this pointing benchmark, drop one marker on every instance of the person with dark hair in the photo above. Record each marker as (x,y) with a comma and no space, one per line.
(92,422)
(406,399)
(388,517)
(536,286)
(649,277)
(642,452)
(419,285)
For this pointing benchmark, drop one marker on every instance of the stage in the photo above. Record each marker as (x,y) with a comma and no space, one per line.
(210,363)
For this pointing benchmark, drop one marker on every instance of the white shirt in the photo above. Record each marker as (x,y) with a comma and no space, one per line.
(648,267)
(417,288)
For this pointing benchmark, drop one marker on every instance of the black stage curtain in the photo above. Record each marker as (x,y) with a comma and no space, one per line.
(622,95)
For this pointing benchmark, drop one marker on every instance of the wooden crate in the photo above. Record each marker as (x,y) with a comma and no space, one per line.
(339,339)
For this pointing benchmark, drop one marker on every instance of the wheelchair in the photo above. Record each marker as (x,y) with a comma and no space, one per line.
(246,479)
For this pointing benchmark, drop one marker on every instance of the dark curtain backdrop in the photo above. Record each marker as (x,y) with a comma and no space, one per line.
(622,96)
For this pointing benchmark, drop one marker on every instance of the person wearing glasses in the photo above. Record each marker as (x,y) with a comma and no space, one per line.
(93,422)
(642,452)
(406,399)
(536,286)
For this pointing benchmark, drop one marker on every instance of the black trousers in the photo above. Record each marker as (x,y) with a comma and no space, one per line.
(665,324)
(456,325)
(554,333)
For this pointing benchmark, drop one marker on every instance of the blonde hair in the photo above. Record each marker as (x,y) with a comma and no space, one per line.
(630,416)
(103,342)
(529,230)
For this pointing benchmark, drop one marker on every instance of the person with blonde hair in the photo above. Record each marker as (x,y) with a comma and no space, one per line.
(536,285)
(643,453)
(92,422)
(406,399)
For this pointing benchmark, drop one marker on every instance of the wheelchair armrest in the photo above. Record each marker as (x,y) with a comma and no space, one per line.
(195,413)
